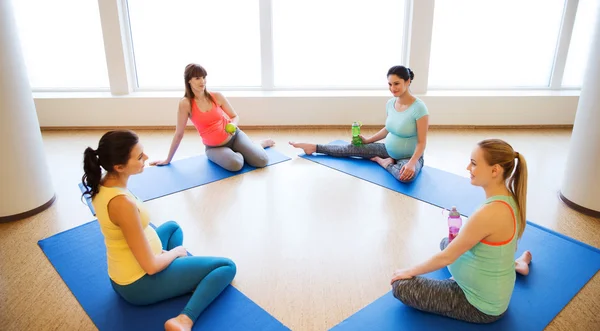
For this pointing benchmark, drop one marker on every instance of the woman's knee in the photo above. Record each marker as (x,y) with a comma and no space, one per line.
(235,163)
(168,229)
(171,225)
(226,158)
(402,292)
(230,266)
(444,243)
(260,161)
(406,181)
(411,179)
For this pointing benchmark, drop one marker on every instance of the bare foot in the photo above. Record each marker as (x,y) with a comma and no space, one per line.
(522,263)
(383,162)
(267,143)
(179,323)
(308,148)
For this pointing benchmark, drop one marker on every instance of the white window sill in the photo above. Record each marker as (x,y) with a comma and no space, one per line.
(309,94)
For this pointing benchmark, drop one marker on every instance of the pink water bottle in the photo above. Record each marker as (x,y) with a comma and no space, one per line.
(454,224)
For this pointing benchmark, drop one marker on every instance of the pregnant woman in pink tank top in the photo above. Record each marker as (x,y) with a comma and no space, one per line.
(210,112)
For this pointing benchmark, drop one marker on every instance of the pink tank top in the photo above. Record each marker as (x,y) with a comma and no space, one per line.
(210,124)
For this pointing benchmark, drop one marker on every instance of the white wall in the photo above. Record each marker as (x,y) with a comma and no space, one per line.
(125,106)
(500,108)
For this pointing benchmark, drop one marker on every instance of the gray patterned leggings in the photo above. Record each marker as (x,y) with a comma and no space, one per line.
(442,297)
(369,151)
(238,150)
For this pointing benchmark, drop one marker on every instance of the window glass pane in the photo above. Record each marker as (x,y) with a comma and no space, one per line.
(223,36)
(494,43)
(318,43)
(585,21)
(62,43)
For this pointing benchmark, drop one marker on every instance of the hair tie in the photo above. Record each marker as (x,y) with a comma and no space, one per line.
(516,155)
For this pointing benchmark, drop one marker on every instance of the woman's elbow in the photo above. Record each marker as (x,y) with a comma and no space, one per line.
(179,135)
(150,267)
(150,270)
(445,259)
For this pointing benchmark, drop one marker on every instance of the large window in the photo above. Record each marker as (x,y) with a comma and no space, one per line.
(494,43)
(305,44)
(223,36)
(62,43)
(583,30)
(336,43)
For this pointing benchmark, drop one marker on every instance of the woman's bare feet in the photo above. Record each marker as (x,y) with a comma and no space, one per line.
(522,263)
(383,162)
(179,323)
(267,143)
(308,148)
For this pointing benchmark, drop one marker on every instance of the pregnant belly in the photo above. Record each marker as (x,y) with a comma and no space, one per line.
(400,147)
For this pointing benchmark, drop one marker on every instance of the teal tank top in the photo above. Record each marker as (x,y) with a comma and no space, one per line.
(401,140)
(486,273)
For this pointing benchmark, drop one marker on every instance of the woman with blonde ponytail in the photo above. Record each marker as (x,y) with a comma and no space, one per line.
(481,258)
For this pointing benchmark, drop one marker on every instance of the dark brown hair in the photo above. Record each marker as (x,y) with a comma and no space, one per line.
(114,149)
(402,72)
(193,70)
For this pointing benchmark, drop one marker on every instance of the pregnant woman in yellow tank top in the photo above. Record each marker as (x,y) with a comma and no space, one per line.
(145,265)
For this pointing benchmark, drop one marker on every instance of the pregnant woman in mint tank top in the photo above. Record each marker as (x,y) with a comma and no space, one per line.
(481,258)
(405,132)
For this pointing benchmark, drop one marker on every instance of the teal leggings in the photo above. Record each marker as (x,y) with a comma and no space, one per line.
(206,277)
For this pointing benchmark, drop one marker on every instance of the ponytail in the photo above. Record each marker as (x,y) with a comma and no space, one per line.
(517,184)
(92,173)
(114,149)
(497,151)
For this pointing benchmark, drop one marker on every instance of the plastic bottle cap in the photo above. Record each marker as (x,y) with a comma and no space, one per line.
(454,212)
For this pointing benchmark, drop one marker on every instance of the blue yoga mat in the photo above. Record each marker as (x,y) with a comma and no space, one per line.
(156,182)
(79,257)
(561,266)
(434,186)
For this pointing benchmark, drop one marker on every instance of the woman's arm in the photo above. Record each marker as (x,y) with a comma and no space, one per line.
(408,170)
(124,213)
(376,137)
(422,128)
(227,108)
(183,114)
(475,230)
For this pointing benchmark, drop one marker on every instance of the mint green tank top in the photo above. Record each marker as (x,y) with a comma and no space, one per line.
(401,140)
(486,273)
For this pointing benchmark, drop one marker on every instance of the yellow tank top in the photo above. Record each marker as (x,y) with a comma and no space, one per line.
(123,268)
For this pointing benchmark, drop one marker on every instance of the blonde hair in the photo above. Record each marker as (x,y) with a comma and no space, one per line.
(497,151)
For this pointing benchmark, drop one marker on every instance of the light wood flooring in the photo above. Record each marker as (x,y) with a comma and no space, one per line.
(312,245)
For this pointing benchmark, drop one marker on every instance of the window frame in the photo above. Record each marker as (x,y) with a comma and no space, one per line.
(120,53)
(558,64)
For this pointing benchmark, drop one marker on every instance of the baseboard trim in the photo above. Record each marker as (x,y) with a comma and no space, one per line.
(578,208)
(308,127)
(29,213)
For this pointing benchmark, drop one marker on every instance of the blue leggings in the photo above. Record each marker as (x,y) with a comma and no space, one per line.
(206,277)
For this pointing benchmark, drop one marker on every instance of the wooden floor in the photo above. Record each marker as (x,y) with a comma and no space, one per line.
(312,245)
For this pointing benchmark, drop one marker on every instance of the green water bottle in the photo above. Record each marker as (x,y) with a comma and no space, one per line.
(356,141)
